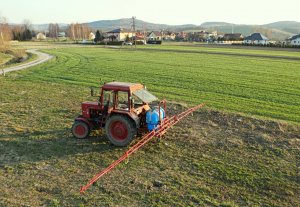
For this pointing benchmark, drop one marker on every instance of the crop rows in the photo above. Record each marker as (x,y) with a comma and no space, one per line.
(255,86)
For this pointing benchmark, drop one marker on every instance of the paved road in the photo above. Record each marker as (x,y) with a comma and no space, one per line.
(42,57)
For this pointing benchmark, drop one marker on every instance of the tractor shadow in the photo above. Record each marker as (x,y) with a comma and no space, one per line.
(16,148)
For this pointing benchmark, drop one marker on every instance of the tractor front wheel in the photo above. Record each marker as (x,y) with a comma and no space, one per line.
(80,130)
(120,130)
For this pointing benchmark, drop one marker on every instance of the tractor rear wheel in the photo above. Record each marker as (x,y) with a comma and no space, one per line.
(120,130)
(80,130)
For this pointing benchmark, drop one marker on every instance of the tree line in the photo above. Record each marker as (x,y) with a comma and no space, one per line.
(5,32)
(25,32)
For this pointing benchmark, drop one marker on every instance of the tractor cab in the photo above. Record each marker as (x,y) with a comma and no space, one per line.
(121,109)
(119,97)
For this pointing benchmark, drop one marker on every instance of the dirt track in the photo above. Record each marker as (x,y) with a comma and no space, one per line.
(42,57)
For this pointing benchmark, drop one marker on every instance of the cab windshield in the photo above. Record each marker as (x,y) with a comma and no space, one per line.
(144,96)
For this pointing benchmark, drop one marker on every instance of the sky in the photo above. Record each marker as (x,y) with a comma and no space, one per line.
(154,11)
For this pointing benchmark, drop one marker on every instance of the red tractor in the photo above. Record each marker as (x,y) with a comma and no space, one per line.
(122,109)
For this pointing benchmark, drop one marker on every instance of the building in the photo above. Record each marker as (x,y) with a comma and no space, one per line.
(169,35)
(92,36)
(62,34)
(294,40)
(230,38)
(153,36)
(257,39)
(120,34)
(214,34)
(40,36)
(233,37)
(181,36)
(140,37)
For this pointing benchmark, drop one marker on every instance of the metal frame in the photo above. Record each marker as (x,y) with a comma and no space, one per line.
(159,131)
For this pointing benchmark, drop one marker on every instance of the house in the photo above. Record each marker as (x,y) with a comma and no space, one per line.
(181,36)
(201,36)
(140,37)
(40,36)
(214,34)
(120,34)
(233,37)
(257,39)
(61,34)
(92,36)
(153,36)
(294,40)
(169,35)
(230,38)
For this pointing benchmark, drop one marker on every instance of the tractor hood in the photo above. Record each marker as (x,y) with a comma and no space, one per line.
(144,95)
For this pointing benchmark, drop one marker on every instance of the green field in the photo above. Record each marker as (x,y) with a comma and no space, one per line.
(220,156)
(206,48)
(254,86)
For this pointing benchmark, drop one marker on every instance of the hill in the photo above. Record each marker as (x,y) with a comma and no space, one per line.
(215,24)
(140,25)
(43,27)
(276,30)
(287,26)
(273,30)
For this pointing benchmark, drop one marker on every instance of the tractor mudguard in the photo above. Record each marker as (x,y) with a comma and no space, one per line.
(136,119)
(132,116)
(84,120)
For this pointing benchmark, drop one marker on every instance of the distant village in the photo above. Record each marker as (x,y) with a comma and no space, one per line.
(82,33)
(128,36)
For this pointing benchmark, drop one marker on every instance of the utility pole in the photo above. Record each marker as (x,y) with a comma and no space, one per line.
(134,32)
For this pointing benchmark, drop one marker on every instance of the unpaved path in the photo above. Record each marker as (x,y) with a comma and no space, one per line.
(42,57)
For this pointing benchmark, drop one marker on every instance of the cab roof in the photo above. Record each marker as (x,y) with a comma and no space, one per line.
(122,86)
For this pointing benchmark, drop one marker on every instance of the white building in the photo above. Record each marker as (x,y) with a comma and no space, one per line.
(40,36)
(257,39)
(294,40)
(153,36)
(92,36)
(120,34)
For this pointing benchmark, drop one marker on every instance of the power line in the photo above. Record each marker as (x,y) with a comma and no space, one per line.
(133,27)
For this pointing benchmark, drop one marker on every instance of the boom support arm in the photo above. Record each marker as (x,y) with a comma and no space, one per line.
(157,132)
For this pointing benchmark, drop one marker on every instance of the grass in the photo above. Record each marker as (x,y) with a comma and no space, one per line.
(4,58)
(254,86)
(206,48)
(13,60)
(209,159)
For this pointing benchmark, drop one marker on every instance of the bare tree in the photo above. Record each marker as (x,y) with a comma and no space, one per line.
(71,32)
(27,24)
(27,29)
(78,31)
(53,30)
(85,31)
(5,33)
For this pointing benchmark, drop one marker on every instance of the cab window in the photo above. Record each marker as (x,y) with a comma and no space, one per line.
(108,97)
(122,100)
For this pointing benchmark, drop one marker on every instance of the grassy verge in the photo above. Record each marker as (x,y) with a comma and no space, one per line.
(18,58)
(4,58)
